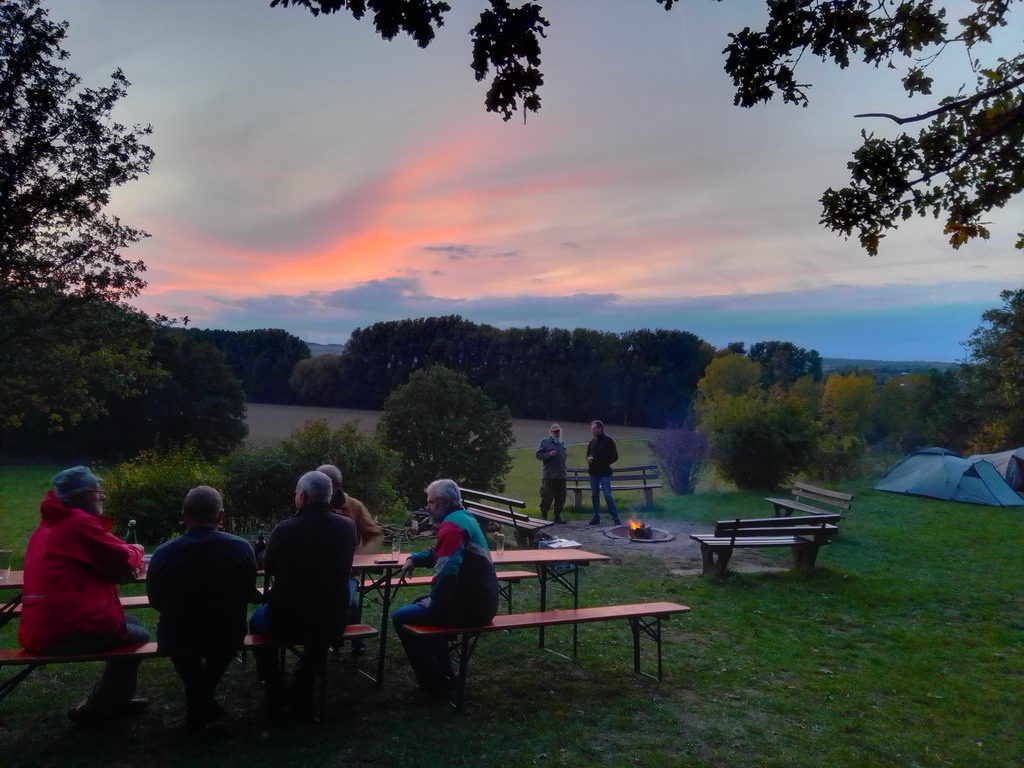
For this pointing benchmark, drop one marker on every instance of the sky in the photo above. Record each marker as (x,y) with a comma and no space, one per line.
(312,177)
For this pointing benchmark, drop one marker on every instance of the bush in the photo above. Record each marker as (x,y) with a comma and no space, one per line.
(443,426)
(150,489)
(838,457)
(760,439)
(680,454)
(259,484)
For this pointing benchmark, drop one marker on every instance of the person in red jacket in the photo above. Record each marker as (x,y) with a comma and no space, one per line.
(70,603)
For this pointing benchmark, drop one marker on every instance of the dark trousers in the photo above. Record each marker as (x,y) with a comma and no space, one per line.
(268,660)
(552,490)
(118,682)
(201,674)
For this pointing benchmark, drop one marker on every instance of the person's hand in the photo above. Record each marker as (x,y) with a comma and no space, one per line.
(552,453)
(407,568)
(589,459)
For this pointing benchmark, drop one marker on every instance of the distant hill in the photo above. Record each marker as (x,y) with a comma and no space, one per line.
(891,367)
(323,349)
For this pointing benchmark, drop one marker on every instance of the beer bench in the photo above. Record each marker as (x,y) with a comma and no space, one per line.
(485,508)
(644,619)
(643,478)
(834,501)
(804,535)
(32,661)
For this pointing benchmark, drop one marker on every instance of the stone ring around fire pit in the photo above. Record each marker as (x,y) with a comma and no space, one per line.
(639,532)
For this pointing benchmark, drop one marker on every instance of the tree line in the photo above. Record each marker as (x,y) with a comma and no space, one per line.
(641,377)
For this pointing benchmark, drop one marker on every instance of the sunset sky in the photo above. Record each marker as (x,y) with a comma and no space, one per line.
(312,177)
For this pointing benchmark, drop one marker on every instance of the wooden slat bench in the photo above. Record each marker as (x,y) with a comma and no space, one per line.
(491,508)
(804,535)
(643,478)
(835,501)
(32,661)
(644,619)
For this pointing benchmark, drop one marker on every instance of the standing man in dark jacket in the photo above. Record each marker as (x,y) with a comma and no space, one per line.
(309,557)
(201,584)
(601,454)
(552,452)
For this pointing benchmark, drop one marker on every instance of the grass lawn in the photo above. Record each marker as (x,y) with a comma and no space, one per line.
(903,650)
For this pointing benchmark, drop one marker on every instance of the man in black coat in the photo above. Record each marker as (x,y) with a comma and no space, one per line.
(201,583)
(308,559)
(601,454)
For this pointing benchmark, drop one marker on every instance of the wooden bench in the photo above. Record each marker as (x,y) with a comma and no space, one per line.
(32,661)
(491,508)
(644,619)
(804,535)
(835,501)
(643,478)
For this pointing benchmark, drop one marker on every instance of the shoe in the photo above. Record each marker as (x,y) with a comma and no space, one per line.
(594,521)
(559,521)
(616,521)
(358,647)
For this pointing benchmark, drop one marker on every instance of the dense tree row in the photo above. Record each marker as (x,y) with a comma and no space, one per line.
(262,360)
(641,377)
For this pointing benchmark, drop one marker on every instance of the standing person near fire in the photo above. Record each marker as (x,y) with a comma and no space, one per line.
(552,453)
(601,454)
(73,565)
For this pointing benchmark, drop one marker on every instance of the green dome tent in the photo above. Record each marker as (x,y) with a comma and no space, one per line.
(941,474)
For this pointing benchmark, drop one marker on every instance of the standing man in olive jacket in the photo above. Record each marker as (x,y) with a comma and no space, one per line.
(601,454)
(552,452)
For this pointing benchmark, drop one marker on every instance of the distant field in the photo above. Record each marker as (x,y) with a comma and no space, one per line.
(270,423)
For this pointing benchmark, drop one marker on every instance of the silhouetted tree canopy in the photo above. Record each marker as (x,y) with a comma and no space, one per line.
(964,162)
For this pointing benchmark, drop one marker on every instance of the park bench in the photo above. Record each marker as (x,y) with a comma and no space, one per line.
(644,620)
(491,508)
(32,661)
(804,535)
(643,478)
(835,501)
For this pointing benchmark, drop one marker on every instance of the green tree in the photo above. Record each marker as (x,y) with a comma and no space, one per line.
(849,404)
(996,371)
(61,257)
(729,375)
(445,427)
(964,162)
(784,362)
(759,439)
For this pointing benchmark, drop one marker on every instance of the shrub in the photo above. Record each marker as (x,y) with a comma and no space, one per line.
(443,426)
(150,488)
(838,457)
(680,454)
(259,484)
(758,440)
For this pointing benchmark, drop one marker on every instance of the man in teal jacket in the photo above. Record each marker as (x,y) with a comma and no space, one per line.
(464,591)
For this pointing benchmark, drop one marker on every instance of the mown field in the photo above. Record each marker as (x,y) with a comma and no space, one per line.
(904,649)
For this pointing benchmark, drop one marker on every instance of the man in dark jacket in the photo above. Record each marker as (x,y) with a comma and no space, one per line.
(201,584)
(552,452)
(601,454)
(308,558)
(73,565)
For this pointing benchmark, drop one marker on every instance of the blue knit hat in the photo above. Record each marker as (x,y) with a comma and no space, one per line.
(70,482)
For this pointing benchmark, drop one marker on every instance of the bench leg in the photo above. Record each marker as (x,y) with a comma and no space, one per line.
(804,557)
(648,497)
(14,681)
(462,647)
(577,500)
(723,560)
(708,559)
(651,627)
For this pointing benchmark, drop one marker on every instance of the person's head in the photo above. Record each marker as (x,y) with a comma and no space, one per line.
(79,487)
(555,430)
(596,427)
(332,472)
(443,497)
(203,508)
(313,486)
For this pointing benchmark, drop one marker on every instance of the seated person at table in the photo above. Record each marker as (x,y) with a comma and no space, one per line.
(464,591)
(309,560)
(369,537)
(201,583)
(73,565)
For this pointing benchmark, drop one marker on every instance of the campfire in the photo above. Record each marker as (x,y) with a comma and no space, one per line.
(639,529)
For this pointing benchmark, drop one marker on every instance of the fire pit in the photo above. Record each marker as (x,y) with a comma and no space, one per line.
(639,531)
